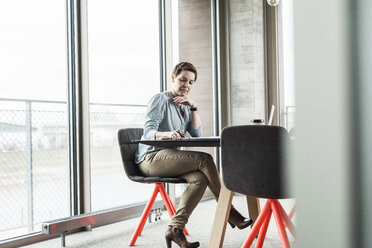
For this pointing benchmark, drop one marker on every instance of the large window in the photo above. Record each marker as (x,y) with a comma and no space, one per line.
(288,64)
(34,167)
(124,73)
(124,55)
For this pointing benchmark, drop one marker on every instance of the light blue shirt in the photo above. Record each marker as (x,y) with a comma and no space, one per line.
(163,115)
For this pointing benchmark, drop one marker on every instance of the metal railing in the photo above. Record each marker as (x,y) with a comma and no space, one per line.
(34,169)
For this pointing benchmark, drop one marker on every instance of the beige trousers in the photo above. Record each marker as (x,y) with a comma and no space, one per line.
(197,168)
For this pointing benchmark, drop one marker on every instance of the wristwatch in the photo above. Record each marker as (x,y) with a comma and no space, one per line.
(194,109)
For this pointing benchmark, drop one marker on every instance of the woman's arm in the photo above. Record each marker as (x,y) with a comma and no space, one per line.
(154,116)
(195,118)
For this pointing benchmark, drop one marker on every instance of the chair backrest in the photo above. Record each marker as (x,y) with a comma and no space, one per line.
(253,160)
(128,150)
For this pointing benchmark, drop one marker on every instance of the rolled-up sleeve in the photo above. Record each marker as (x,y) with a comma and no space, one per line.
(154,116)
(192,131)
(195,132)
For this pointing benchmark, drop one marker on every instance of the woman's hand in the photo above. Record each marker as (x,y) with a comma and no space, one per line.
(176,134)
(196,123)
(184,101)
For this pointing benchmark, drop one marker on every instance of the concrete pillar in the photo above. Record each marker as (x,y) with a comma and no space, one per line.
(246,48)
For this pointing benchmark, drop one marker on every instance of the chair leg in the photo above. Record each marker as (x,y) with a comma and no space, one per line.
(263,220)
(263,230)
(170,202)
(279,223)
(144,216)
(163,194)
(174,209)
(292,211)
(156,186)
(257,225)
(287,222)
(159,188)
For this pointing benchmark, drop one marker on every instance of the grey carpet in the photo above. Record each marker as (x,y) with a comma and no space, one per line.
(199,226)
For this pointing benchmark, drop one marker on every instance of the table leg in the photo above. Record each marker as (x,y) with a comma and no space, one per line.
(254,208)
(220,218)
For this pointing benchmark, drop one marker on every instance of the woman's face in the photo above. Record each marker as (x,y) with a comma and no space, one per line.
(182,84)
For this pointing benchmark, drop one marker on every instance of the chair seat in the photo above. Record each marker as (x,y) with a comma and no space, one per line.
(141,179)
(128,150)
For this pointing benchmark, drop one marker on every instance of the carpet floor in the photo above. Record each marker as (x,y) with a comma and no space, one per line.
(199,226)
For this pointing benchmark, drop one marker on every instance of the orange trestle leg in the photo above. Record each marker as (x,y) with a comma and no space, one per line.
(171,204)
(159,188)
(165,200)
(257,225)
(292,211)
(279,224)
(263,230)
(144,217)
(263,220)
(287,222)
(174,211)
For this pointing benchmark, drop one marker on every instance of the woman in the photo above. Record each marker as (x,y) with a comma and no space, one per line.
(170,115)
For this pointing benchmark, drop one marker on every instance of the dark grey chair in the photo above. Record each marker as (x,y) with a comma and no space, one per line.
(253,158)
(128,150)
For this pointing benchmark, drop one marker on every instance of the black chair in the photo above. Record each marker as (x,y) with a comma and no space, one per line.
(253,164)
(128,150)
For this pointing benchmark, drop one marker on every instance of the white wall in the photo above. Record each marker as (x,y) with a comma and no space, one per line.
(322,168)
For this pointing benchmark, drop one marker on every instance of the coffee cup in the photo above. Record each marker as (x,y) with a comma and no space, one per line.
(258,122)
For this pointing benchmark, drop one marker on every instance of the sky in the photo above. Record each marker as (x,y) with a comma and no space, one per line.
(123,50)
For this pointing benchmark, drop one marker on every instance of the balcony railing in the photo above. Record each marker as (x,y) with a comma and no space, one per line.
(34,164)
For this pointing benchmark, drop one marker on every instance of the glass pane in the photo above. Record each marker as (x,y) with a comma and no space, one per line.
(288,64)
(123,76)
(34,165)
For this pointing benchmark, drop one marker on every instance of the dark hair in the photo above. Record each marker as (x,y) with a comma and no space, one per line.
(184,66)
